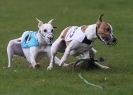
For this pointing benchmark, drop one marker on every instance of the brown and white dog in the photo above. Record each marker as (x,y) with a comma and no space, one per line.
(74,39)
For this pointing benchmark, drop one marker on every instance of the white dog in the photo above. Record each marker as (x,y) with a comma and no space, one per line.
(74,39)
(31,44)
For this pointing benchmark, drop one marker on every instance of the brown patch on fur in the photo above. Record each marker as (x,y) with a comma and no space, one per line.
(103,29)
(65,32)
(84,27)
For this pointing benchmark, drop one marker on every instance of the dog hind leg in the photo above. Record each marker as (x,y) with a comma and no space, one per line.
(10,53)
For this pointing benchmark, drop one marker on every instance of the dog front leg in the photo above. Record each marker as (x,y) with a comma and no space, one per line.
(33,54)
(52,59)
(56,59)
(73,45)
(54,49)
(33,62)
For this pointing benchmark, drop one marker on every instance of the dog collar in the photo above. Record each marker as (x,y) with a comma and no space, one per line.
(98,35)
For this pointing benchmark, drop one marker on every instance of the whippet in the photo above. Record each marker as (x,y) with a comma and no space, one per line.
(29,47)
(74,38)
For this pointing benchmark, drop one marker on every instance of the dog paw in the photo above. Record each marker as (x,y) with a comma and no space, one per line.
(37,66)
(8,66)
(65,65)
(106,67)
(49,68)
(60,64)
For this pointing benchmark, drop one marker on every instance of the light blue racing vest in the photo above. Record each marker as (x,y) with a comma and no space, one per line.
(29,40)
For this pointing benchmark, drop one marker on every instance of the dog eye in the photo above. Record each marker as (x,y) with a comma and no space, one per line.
(108,29)
(52,30)
(45,30)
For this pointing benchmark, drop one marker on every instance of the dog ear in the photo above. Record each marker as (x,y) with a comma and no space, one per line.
(39,22)
(54,27)
(50,22)
(99,20)
(100,17)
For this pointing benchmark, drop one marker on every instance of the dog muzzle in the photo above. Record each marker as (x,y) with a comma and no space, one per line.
(48,38)
(108,40)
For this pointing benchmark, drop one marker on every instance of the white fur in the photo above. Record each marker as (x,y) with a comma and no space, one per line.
(14,46)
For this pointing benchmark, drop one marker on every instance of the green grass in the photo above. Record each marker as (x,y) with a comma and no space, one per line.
(16,16)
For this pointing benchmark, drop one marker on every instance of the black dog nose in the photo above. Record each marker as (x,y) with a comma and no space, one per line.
(114,40)
(51,37)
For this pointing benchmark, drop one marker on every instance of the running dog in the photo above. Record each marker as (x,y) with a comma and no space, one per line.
(74,39)
(33,43)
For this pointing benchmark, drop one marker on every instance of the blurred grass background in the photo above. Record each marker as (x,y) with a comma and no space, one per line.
(17,16)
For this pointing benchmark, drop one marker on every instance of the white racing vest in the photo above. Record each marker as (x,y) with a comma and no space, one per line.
(75,33)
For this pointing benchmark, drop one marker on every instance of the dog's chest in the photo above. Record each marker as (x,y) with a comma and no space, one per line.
(45,48)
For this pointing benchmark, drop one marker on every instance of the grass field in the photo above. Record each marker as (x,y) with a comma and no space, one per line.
(17,16)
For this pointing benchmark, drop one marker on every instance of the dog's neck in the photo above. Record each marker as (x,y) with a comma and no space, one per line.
(41,40)
(90,32)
